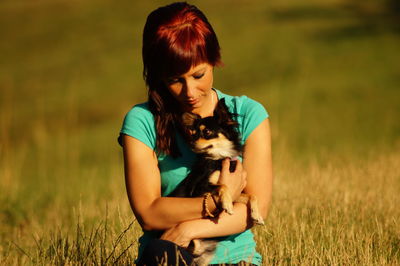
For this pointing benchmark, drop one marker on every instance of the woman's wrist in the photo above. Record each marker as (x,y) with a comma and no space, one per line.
(211,208)
(226,224)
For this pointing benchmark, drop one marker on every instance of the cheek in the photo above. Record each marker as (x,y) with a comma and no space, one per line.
(207,82)
(175,90)
(210,81)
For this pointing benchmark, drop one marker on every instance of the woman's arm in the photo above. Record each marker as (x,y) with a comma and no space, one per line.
(227,224)
(143,184)
(257,163)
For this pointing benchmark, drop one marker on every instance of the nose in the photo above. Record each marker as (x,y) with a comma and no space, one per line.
(189,88)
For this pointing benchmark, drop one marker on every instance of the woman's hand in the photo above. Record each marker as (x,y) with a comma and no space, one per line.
(235,181)
(180,234)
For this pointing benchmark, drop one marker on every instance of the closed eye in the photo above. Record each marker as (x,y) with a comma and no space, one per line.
(198,76)
(171,81)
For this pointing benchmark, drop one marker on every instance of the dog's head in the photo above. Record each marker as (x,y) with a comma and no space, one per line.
(216,136)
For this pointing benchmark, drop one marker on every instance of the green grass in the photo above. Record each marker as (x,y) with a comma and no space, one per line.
(328,73)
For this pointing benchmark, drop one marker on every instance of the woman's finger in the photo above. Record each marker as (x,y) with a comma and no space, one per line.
(225,165)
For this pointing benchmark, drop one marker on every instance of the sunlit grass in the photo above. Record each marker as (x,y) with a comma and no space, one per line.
(343,213)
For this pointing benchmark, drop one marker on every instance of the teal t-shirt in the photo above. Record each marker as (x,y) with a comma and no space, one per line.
(139,124)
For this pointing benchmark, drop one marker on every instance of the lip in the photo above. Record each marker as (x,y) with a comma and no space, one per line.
(192,102)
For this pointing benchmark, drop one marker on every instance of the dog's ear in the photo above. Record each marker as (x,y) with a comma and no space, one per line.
(189,118)
(223,115)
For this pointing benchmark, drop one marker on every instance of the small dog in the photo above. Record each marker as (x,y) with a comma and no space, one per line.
(213,139)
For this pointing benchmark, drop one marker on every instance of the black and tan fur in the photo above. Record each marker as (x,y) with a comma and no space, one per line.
(213,139)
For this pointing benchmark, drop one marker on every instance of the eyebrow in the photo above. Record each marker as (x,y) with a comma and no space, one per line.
(200,70)
(203,69)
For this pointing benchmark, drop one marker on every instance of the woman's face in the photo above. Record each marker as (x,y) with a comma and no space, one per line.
(193,89)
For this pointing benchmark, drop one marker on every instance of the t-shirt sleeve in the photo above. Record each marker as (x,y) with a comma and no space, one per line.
(252,114)
(139,124)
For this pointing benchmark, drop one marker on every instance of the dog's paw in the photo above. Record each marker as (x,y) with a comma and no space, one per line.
(258,220)
(214,177)
(227,206)
(256,217)
(225,199)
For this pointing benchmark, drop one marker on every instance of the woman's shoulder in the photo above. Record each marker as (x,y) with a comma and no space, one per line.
(242,104)
(139,123)
(140,108)
(250,113)
(139,112)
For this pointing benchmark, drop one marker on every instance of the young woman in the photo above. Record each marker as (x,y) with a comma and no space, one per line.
(180,50)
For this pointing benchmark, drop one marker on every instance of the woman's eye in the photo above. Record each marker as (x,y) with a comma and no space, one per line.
(198,76)
(172,81)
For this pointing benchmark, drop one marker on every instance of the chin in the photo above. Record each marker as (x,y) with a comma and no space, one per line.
(194,107)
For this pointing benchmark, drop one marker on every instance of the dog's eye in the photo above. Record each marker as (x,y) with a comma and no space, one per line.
(207,132)
(192,132)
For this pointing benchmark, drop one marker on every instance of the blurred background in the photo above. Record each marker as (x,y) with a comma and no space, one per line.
(328,73)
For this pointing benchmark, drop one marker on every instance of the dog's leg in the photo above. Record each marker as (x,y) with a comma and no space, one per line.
(255,214)
(251,201)
(244,198)
(214,177)
(225,198)
(203,250)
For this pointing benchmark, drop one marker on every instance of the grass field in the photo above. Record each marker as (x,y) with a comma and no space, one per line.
(328,72)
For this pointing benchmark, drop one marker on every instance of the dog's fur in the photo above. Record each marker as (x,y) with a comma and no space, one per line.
(213,139)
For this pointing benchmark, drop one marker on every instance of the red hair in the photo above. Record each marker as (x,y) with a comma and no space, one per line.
(176,37)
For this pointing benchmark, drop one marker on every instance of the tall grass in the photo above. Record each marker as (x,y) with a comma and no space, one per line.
(328,73)
(343,213)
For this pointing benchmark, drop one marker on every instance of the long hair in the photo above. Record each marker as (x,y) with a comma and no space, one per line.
(175,38)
